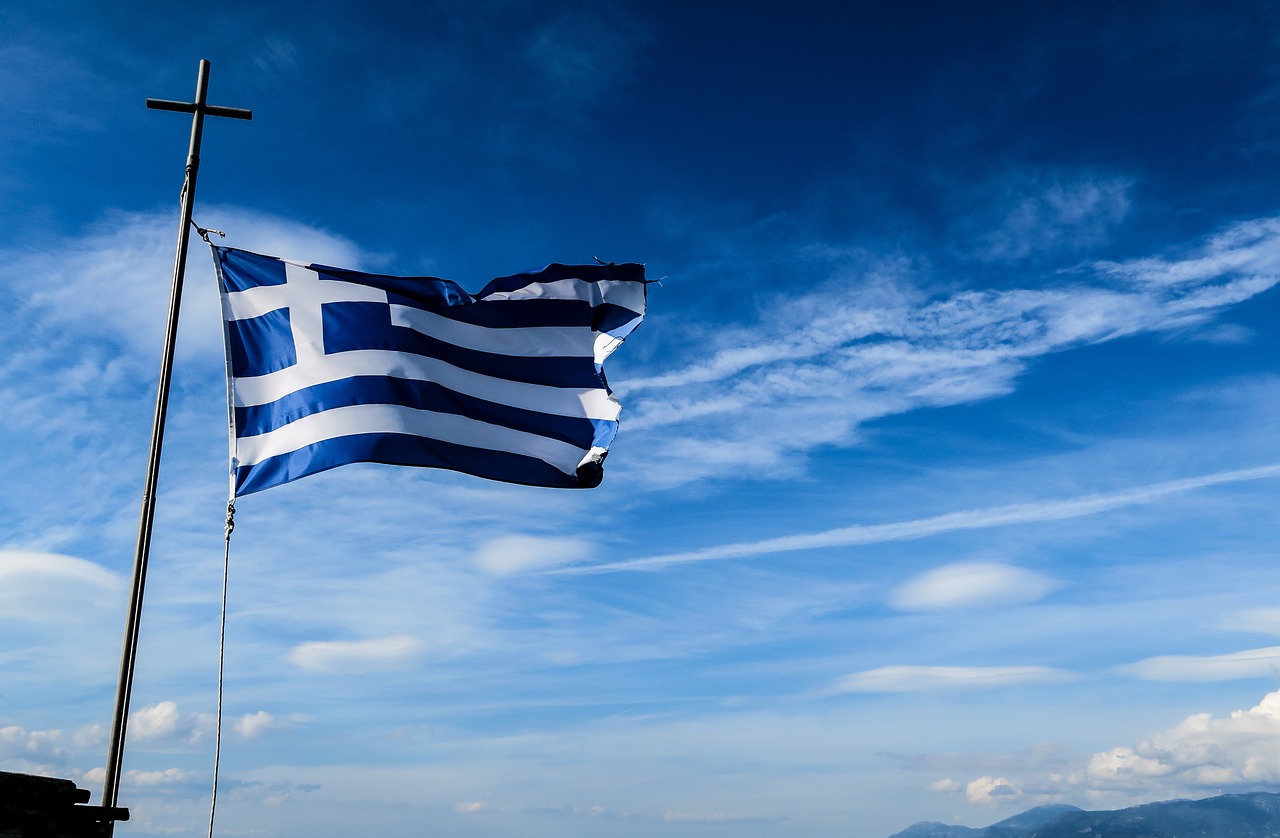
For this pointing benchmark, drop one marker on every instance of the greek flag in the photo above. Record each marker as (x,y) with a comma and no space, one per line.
(327,366)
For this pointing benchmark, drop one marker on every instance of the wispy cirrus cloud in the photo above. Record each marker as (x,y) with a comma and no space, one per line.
(866,344)
(1042,211)
(1246,248)
(113,281)
(998,516)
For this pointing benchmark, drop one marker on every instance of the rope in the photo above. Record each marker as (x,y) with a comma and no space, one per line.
(205,231)
(222,645)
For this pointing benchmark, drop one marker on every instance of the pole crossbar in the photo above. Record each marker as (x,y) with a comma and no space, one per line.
(190,107)
(199,109)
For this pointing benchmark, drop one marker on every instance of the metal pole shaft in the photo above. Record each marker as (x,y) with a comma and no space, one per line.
(115,755)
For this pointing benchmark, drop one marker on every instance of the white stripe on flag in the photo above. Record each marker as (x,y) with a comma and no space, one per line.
(593,403)
(528,341)
(397,419)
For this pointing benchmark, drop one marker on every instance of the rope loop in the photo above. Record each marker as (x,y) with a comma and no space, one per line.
(205,231)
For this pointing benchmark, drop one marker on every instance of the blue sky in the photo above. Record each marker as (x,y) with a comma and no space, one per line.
(949,462)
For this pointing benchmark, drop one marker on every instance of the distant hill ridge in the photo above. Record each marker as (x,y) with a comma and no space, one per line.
(1255,815)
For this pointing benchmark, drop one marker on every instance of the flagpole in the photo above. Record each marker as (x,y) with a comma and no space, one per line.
(199,108)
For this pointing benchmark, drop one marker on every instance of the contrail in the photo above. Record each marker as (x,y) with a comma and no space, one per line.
(972,519)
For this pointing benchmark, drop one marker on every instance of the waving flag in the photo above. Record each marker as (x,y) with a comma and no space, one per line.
(328,366)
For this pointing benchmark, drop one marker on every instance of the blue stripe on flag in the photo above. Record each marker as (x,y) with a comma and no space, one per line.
(355,326)
(511,314)
(423,395)
(401,450)
(427,292)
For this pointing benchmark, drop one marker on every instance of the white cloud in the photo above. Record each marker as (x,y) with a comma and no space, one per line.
(277,236)
(163,722)
(155,721)
(1202,754)
(945,785)
(32,746)
(995,791)
(970,585)
(46,752)
(892,679)
(253,725)
(1240,750)
(522,553)
(1250,663)
(354,656)
(52,588)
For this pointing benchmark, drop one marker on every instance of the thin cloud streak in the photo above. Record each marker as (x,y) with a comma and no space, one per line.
(972,519)
(898,679)
(1251,663)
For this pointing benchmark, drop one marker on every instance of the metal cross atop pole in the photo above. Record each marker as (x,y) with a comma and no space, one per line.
(199,109)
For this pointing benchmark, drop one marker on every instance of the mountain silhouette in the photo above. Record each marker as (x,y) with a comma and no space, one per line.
(1255,815)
